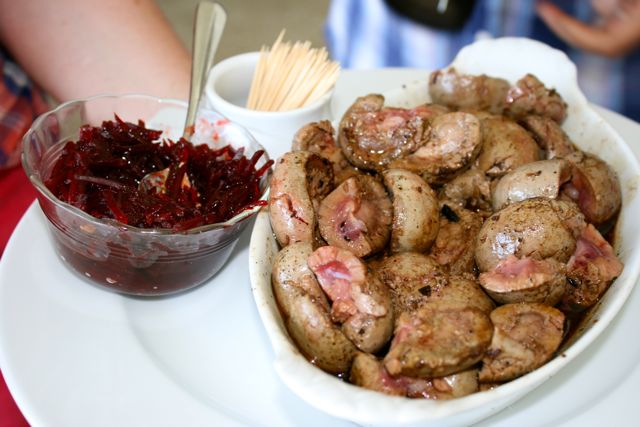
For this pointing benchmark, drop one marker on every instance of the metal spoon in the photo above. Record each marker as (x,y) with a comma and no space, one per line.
(208,26)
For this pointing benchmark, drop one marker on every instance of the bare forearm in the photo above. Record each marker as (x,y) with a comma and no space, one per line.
(78,48)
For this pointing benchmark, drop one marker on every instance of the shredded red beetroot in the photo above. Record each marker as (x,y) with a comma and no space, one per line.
(101,172)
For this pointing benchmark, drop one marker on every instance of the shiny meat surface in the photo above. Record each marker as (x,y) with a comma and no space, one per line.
(505,146)
(530,96)
(368,372)
(537,228)
(551,138)
(454,142)
(412,278)
(471,189)
(371,135)
(401,233)
(525,337)
(525,280)
(595,187)
(300,180)
(305,311)
(357,216)
(318,138)
(462,91)
(438,339)
(543,178)
(590,271)
(360,301)
(455,244)
(416,211)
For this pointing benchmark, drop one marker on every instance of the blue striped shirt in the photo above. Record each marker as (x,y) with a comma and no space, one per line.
(364,34)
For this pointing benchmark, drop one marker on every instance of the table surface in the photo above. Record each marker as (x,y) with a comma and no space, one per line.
(15,189)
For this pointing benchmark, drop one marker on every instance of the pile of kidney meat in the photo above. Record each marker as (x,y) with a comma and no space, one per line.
(440,250)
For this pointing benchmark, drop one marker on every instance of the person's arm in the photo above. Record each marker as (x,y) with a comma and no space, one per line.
(77,48)
(617,33)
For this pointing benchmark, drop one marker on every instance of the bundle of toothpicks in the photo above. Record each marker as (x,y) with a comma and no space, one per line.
(290,76)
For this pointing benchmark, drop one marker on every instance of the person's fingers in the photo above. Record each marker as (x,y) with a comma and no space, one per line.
(577,33)
(631,7)
(605,8)
(572,31)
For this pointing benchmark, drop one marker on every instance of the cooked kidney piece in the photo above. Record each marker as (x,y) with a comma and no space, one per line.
(551,138)
(360,302)
(416,211)
(318,138)
(543,178)
(357,216)
(530,96)
(455,244)
(306,312)
(525,336)
(454,142)
(536,228)
(466,92)
(369,372)
(372,135)
(505,146)
(438,339)
(300,180)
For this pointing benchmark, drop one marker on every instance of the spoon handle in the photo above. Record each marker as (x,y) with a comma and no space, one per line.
(209,24)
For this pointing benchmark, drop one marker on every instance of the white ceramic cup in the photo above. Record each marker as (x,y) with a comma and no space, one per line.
(227,91)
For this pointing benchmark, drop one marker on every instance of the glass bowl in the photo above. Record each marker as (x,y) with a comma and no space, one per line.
(122,258)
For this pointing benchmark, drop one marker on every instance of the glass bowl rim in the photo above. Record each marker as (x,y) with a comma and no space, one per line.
(37,182)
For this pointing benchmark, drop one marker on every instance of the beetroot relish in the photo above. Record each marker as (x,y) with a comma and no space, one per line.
(101,172)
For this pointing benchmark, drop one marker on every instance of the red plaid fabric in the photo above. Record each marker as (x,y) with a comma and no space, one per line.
(20,103)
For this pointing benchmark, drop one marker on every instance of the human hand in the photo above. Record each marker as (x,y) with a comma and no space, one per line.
(616,33)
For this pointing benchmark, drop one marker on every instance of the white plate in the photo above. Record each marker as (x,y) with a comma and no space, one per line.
(510,59)
(74,355)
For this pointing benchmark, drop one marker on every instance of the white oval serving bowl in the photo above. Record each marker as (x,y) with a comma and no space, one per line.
(509,58)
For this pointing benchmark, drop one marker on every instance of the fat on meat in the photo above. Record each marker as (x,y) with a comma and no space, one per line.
(306,311)
(590,271)
(369,372)
(453,144)
(371,135)
(357,216)
(360,302)
(516,280)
